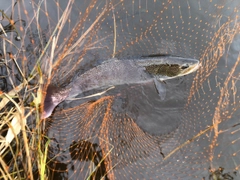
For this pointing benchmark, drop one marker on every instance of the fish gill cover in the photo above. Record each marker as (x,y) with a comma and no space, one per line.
(128,133)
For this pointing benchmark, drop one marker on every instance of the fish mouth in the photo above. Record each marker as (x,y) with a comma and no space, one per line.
(192,68)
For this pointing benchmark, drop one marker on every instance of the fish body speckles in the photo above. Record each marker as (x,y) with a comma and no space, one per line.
(117,72)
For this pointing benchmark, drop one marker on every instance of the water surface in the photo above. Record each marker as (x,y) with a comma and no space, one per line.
(137,135)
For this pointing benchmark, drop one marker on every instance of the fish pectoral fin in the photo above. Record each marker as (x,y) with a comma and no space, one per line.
(161,88)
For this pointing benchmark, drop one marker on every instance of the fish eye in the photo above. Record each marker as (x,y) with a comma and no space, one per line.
(184,66)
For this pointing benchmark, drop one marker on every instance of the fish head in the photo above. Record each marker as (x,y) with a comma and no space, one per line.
(172,67)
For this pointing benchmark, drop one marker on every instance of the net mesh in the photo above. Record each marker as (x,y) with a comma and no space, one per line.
(111,137)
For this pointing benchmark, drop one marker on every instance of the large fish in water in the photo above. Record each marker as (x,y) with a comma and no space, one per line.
(117,72)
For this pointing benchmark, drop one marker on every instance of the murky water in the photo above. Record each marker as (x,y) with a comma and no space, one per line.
(129,133)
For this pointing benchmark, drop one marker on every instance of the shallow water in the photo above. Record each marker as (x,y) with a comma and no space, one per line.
(137,135)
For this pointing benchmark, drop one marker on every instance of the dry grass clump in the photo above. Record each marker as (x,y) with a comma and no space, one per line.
(23,147)
(23,153)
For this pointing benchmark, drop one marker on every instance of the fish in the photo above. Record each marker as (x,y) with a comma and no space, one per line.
(115,72)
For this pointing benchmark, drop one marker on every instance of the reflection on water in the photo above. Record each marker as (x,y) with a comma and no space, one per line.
(83,154)
(137,135)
